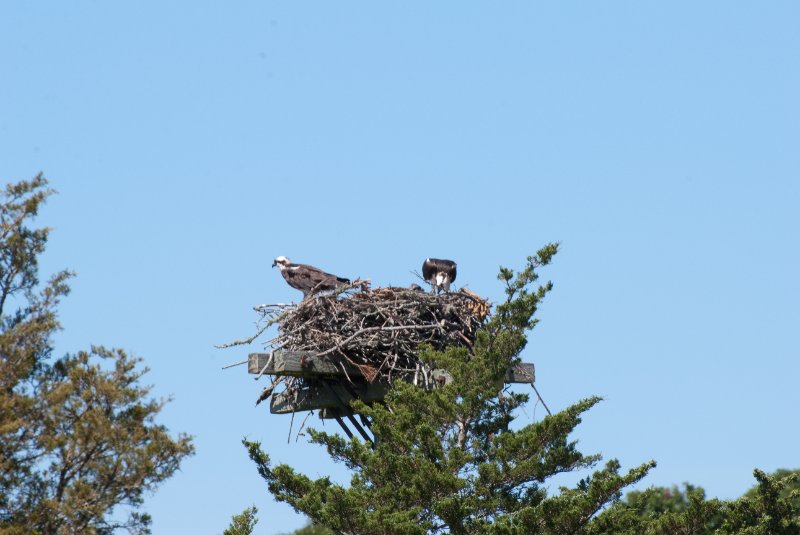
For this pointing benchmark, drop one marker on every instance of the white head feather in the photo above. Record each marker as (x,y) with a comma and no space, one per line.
(281,262)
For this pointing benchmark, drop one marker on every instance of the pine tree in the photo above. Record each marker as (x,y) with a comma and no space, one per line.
(772,507)
(244,523)
(78,438)
(661,511)
(449,460)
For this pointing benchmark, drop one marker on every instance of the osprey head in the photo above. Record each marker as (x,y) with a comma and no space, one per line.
(281,261)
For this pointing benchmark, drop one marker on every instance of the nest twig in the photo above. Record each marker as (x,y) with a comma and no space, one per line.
(381,331)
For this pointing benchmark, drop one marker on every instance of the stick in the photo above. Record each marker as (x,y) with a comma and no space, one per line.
(248,340)
(540,399)
(291,423)
(269,360)
(378,328)
(236,364)
(302,425)
(260,308)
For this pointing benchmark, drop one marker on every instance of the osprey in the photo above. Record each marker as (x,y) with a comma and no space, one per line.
(439,273)
(308,279)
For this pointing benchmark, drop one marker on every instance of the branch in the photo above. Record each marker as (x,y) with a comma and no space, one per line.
(374,329)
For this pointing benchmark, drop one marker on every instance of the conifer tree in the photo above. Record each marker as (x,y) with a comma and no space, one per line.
(772,507)
(79,445)
(449,460)
(243,523)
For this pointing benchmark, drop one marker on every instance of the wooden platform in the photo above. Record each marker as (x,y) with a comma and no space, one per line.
(327,392)
(332,397)
(300,364)
(307,364)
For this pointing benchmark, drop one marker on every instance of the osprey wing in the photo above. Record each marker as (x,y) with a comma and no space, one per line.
(297,279)
(428,270)
(314,279)
(432,266)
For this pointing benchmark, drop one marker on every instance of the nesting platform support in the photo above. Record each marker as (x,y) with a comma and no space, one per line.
(331,392)
(299,364)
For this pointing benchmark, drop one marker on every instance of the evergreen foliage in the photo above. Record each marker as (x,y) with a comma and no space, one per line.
(78,438)
(790,486)
(243,523)
(769,508)
(661,511)
(312,529)
(772,506)
(448,461)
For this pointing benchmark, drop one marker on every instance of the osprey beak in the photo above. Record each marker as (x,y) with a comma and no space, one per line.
(274,264)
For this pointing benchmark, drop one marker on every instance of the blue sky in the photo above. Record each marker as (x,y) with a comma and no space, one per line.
(192,142)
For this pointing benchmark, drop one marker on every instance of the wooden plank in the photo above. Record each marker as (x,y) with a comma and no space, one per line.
(325,400)
(300,364)
(319,398)
(327,414)
(522,373)
(307,364)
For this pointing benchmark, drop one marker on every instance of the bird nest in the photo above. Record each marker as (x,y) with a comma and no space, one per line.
(381,331)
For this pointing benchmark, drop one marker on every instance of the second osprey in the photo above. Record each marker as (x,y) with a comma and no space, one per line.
(308,279)
(439,273)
